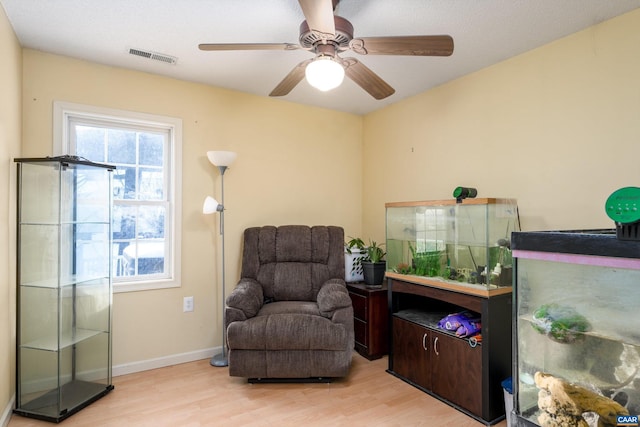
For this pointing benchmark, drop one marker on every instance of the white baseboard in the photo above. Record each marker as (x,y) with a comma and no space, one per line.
(6,414)
(130,368)
(161,362)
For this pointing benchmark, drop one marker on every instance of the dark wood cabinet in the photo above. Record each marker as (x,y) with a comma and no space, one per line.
(411,352)
(436,361)
(456,371)
(463,373)
(370,320)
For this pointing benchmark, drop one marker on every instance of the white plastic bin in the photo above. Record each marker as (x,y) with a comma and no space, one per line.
(507,386)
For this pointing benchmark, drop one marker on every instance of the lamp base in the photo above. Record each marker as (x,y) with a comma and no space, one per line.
(219,360)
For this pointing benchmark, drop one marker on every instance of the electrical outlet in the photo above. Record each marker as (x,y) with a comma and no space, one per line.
(187,304)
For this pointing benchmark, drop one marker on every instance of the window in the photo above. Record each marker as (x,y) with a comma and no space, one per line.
(146,151)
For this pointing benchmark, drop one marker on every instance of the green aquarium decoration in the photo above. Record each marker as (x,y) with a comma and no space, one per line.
(560,323)
(426,263)
(403,268)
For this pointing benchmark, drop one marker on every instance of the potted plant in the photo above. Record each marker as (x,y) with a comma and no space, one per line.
(372,262)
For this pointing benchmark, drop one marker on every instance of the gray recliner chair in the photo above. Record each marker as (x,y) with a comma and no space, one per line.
(290,316)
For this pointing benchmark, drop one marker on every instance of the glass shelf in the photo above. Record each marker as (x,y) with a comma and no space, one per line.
(72,394)
(66,340)
(83,282)
(603,335)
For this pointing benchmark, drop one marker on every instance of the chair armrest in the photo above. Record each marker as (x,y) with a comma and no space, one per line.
(233,315)
(246,297)
(333,295)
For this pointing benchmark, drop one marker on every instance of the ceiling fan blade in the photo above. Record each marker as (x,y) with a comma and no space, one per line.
(248,46)
(404,45)
(294,77)
(366,79)
(319,16)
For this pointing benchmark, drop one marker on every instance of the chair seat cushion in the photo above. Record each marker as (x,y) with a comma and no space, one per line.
(287,325)
(292,307)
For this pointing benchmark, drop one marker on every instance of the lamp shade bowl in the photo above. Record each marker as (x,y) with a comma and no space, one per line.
(211,206)
(221,158)
(324,73)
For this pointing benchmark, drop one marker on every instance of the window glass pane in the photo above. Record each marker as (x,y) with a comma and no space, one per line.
(90,142)
(143,257)
(122,146)
(123,229)
(124,183)
(151,222)
(123,222)
(92,194)
(151,184)
(151,149)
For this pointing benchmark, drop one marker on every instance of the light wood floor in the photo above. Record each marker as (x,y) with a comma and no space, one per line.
(196,394)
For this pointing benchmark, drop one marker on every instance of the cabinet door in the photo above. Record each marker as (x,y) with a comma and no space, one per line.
(411,352)
(457,371)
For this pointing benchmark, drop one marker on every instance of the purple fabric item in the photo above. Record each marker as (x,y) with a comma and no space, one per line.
(463,324)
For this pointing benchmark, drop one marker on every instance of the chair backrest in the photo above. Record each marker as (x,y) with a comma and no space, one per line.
(293,261)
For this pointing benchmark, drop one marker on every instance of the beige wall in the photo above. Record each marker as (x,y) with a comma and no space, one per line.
(10,121)
(295,164)
(557,120)
(558,128)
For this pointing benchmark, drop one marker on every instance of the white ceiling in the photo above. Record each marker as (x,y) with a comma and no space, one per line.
(484,31)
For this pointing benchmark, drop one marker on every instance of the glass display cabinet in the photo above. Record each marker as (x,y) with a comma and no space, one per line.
(64,295)
(465,242)
(576,329)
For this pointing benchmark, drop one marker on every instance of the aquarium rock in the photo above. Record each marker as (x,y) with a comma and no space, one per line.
(563,404)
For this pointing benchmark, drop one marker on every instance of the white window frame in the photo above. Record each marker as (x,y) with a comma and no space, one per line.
(63,112)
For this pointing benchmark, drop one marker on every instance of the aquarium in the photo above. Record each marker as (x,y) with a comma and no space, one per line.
(577,328)
(461,241)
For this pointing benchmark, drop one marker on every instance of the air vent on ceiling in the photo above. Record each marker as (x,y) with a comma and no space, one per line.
(154,55)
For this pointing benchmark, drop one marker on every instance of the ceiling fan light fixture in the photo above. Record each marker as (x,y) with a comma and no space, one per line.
(324,73)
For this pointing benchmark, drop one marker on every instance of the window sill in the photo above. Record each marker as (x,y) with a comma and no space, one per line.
(150,285)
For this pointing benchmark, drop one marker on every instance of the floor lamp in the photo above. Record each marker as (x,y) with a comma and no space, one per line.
(222,160)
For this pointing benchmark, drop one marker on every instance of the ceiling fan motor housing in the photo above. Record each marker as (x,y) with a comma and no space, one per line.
(343,35)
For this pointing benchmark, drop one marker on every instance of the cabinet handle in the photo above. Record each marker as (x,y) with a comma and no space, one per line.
(435,346)
(424,342)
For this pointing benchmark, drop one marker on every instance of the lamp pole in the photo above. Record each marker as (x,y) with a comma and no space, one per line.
(222,160)
(220,359)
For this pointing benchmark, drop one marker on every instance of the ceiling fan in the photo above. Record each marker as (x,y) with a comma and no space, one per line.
(326,35)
